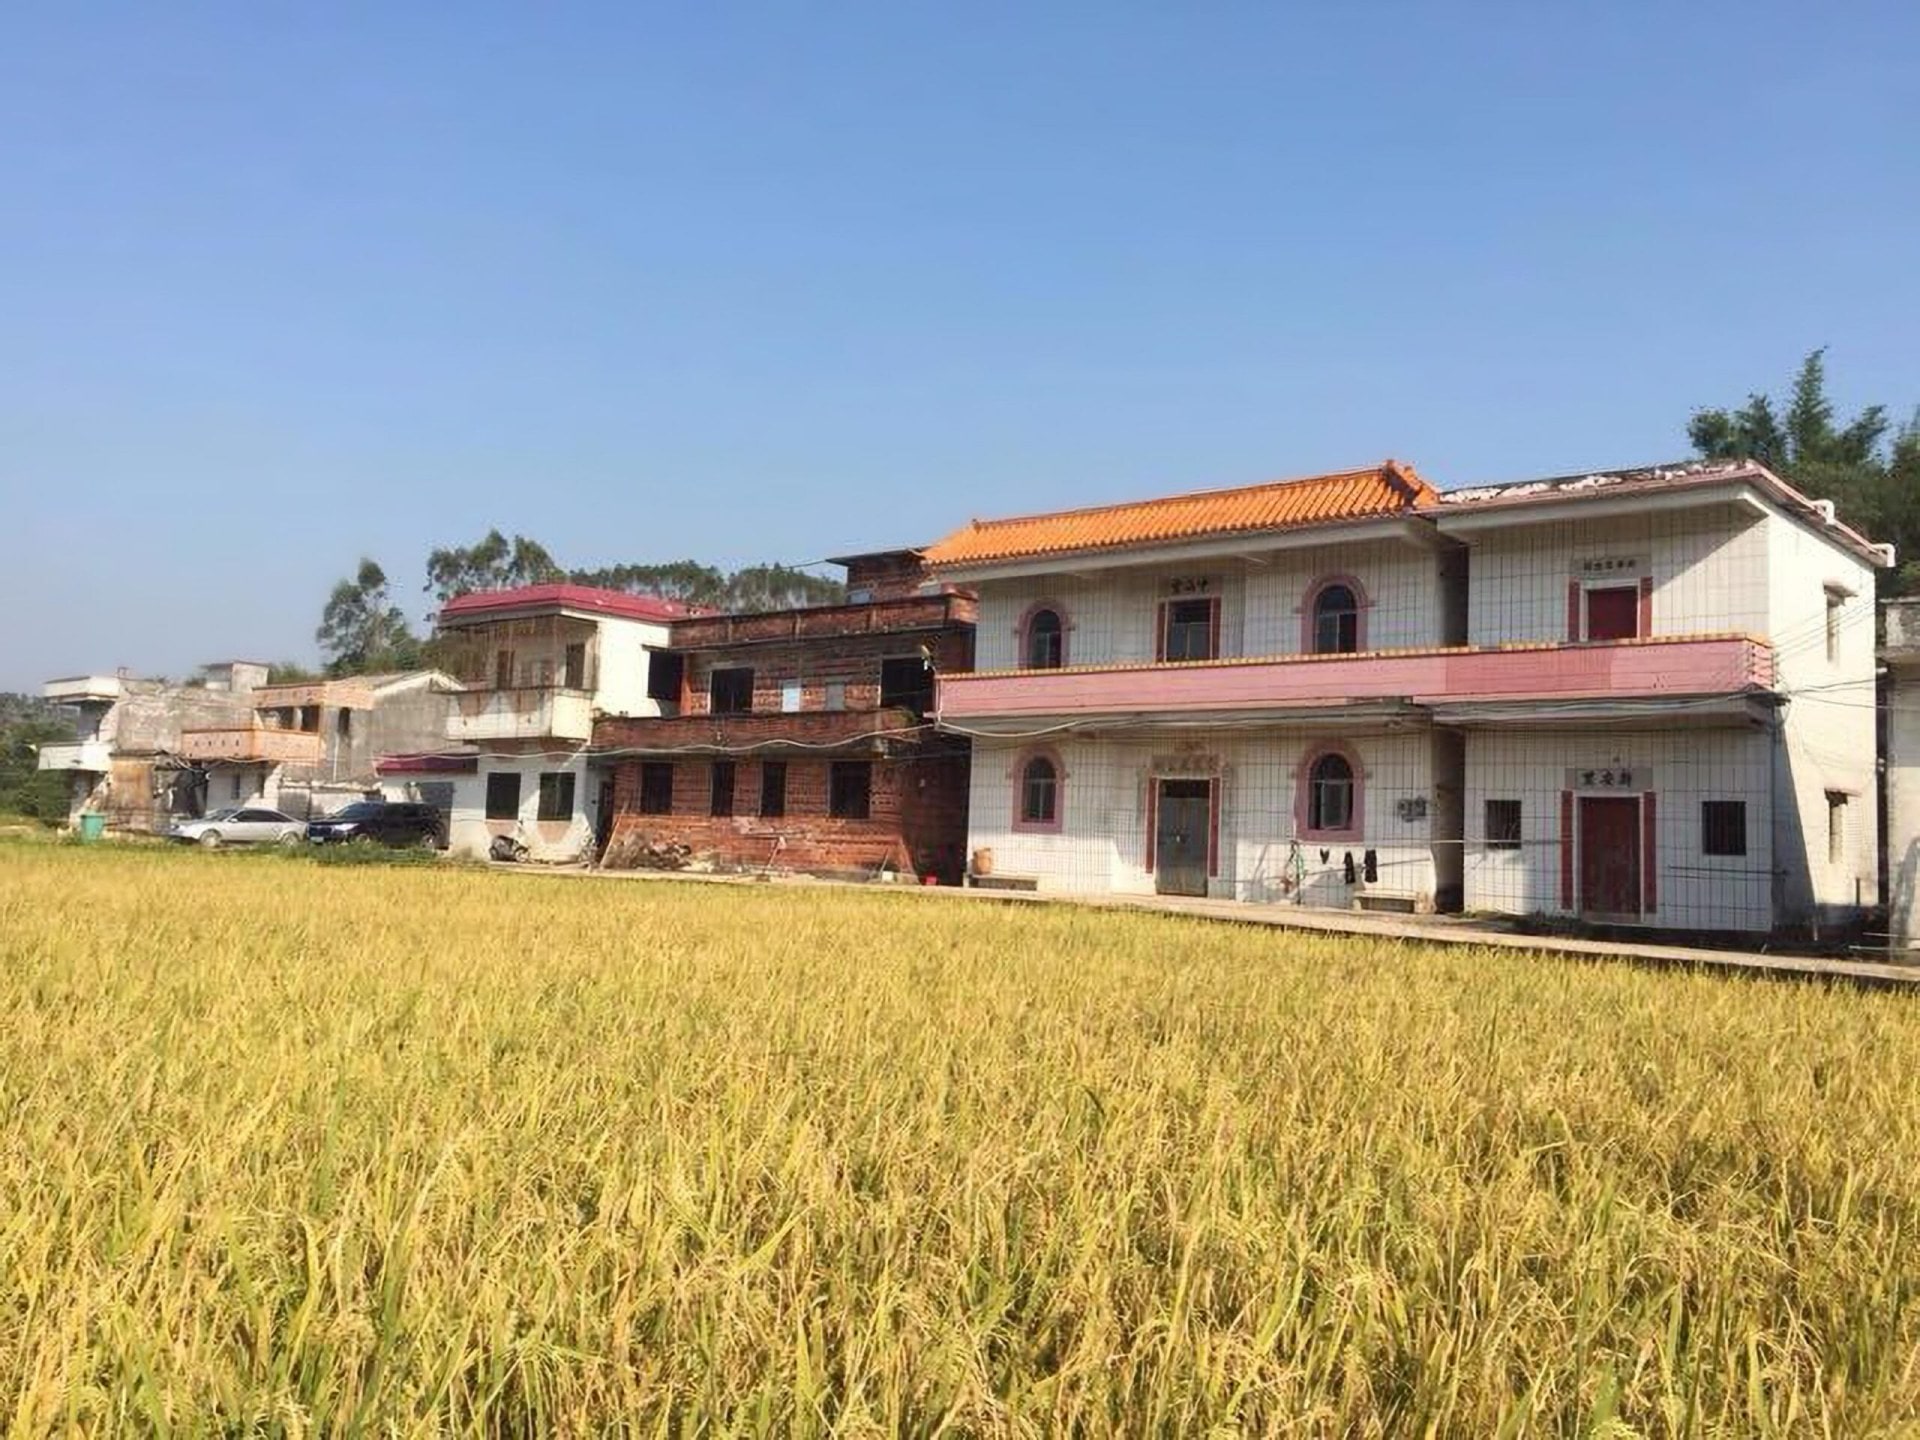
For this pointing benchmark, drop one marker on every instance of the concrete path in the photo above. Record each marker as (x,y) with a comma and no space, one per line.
(1426,929)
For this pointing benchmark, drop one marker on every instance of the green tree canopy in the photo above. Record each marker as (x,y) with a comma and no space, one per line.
(1873,482)
(362,631)
(492,563)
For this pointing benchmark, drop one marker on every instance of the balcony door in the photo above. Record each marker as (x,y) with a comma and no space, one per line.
(1183,825)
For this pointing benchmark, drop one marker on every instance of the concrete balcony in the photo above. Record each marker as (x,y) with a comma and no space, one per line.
(812,730)
(1657,668)
(527,713)
(253,745)
(83,690)
(93,756)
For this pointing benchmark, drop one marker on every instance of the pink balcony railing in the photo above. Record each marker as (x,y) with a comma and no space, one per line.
(1625,669)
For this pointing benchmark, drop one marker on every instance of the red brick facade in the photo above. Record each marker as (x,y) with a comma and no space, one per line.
(813,699)
(917,817)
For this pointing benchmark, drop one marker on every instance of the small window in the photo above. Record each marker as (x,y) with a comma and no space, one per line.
(773,789)
(1039,792)
(1613,613)
(1190,630)
(503,670)
(850,790)
(656,787)
(1330,794)
(1723,827)
(1336,621)
(574,669)
(720,789)
(503,795)
(556,795)
(666,675)
(906,683)
(730,691)
(343,723)
(834,695)
(790,694)
(1503,824)
(1835,602)
(1836,827)
(1046,641)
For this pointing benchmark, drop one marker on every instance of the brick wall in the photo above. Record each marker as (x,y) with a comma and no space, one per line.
(916,822)
(851,661)
(888,575)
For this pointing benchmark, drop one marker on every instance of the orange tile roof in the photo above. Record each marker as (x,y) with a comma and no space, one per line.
(1388,489)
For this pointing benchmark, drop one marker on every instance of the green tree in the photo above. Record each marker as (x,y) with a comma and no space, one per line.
(492,563)
(362,631)
(1875,487)
(26,789)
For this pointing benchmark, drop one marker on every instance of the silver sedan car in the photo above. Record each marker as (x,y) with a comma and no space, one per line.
(246,825)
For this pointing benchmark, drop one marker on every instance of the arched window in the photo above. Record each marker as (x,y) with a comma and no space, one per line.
(1046,640)
(1336,620)
(1039,792)
(1330,793)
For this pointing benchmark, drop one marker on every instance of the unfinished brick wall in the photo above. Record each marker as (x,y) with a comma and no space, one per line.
(888,575)
(917,820)
(851,662)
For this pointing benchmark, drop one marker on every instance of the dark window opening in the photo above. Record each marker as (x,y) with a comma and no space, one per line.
(1503,824)
(906,683)
(730,691)
(1336,621)
(1039,792)
(503,670)
(720,789)
(343,723)
(1330,794)
(656,787)
(1613,613)
(1836,827)
(574,669)
(773,789)
(666,674)
(1046,641)
(850,790)
(1723,827)
(503,796)
(1191,631)
(556,795)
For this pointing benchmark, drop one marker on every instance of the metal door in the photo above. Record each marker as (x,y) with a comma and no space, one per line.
(1609,855)
(1180,841)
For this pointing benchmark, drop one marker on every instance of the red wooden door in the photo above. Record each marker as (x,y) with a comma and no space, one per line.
(1613,613)
(1609,855)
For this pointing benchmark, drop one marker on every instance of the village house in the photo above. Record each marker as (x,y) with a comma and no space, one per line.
(536,667)
(801,739)
(148,753)
(1900,709)
(1642,697)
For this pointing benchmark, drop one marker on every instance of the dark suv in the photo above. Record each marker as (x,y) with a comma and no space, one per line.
(385,822)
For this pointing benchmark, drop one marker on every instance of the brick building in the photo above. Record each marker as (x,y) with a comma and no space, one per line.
(802,739)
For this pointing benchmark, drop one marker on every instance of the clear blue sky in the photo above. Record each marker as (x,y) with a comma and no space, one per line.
(738,282)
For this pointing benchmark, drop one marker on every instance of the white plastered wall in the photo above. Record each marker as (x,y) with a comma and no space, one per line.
(1101,846)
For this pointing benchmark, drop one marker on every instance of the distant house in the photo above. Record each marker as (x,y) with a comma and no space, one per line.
(535,666)
(147,752)
(1637,697)
(1901,709)
(802,739)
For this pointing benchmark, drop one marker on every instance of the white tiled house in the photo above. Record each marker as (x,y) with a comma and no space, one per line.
(537,664)
(1640,698)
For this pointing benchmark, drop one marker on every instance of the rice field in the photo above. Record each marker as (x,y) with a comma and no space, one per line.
(304,1149)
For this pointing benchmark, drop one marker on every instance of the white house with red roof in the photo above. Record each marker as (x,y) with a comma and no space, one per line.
(1640,697)
(536,665)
